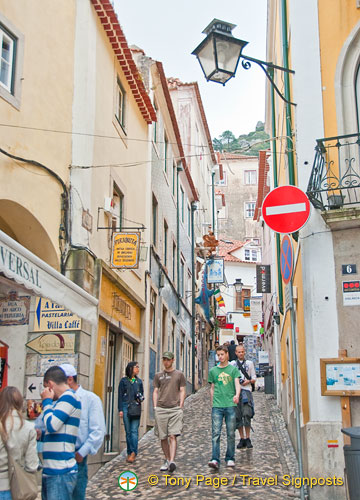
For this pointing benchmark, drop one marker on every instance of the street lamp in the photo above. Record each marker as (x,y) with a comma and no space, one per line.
(238,285)
(220,52)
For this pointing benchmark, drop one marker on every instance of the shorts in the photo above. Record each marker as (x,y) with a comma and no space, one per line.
(168,422)
(244,411)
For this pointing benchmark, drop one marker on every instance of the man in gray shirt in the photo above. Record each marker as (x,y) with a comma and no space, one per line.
(168,400)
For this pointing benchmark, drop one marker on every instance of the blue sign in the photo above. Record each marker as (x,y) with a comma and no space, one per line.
(286,259)
(215,270)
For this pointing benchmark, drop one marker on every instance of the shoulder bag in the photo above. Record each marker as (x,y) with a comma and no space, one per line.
(134,406)
(23,484)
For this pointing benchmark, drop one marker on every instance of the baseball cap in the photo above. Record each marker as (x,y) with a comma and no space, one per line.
(168,355)
(68,369)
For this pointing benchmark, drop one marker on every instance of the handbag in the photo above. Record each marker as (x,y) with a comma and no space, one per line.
(23,484)
(134,406)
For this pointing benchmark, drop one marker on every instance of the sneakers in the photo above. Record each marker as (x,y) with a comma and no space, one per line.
(172,466)
(230,463)
(241,444)
(165,466)
(248,443)
(214,464)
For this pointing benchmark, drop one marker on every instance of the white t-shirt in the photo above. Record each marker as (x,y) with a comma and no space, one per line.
(250,370)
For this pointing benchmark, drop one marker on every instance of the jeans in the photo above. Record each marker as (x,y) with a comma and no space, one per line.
(5,495)
(82,480)
(217,416)
(58,486)
(132,431)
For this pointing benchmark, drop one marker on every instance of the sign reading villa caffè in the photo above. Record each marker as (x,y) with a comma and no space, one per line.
(125,250)
(50,317)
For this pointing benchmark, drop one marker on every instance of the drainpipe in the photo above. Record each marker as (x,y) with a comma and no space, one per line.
(178,169)
(289,142)
(275,170)
(213,227)
(193,208)
(292,182)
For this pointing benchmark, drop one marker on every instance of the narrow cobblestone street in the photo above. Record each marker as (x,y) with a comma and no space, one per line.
(271,457)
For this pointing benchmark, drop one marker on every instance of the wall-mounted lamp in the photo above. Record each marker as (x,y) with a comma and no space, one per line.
(276,317)
(219,55)
(238,285)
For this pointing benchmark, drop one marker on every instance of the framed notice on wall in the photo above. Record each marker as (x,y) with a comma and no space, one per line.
(340,376)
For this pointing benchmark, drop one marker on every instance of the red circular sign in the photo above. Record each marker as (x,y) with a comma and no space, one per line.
(286,209)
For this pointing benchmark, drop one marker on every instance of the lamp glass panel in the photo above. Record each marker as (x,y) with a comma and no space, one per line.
(206,57)
(228,54)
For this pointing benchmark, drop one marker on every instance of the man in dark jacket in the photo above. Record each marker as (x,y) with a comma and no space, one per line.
(231,349)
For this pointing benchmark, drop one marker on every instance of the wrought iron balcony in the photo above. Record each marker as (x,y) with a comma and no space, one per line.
(335,177)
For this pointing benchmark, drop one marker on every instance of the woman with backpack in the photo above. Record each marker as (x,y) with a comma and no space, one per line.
(130,397)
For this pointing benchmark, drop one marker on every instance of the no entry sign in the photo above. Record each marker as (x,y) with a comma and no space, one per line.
(286,259)
(286,209)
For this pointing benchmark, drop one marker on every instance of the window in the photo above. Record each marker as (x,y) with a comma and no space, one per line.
(182,278)
(120,104)
(174,179)
(189,359)
(182,353)
(173,336)
(249,209)
(250,177)
(7,59)
(182,203)
(242,300)
(152,329)
(165,242)
(155,124)
(117,210)
(189,220)
(174,262)
(154,220)
(251,255)
(223,181)
(166,152)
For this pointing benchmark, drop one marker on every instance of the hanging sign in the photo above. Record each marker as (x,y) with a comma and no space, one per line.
(125,250)
(50,317)
(215,270)
(263,279)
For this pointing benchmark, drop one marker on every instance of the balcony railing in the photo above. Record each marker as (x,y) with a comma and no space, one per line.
(335,176)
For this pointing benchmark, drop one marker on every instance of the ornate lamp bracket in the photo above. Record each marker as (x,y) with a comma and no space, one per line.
(246,64)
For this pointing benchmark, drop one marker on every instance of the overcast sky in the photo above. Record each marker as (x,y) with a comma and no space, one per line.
(169,31)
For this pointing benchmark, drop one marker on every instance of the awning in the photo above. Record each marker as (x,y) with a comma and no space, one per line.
(17,263)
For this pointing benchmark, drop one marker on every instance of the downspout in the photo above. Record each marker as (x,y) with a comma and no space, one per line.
(193,285)
(275,170)
(178,169)
(289,142)
(213,228)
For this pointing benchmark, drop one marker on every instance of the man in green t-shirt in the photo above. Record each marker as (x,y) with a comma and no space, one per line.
(225,392)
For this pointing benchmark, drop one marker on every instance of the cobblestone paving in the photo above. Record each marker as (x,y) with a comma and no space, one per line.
(271,457)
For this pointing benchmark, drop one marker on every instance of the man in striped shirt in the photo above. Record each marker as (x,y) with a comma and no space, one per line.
(62,410)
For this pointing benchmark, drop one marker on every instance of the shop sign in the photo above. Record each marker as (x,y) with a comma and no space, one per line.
(263,279)
(125,250)
(221,321)
(18,267)
(215,268)
(45,362)
(50,317)
(14,310)
(351,293)
(256,310)
(53,343)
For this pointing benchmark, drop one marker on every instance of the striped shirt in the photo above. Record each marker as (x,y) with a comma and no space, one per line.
(61,421)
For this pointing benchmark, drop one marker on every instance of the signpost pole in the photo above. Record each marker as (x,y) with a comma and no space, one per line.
(296,390)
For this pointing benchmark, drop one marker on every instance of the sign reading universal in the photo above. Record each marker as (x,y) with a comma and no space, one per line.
(125,250)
